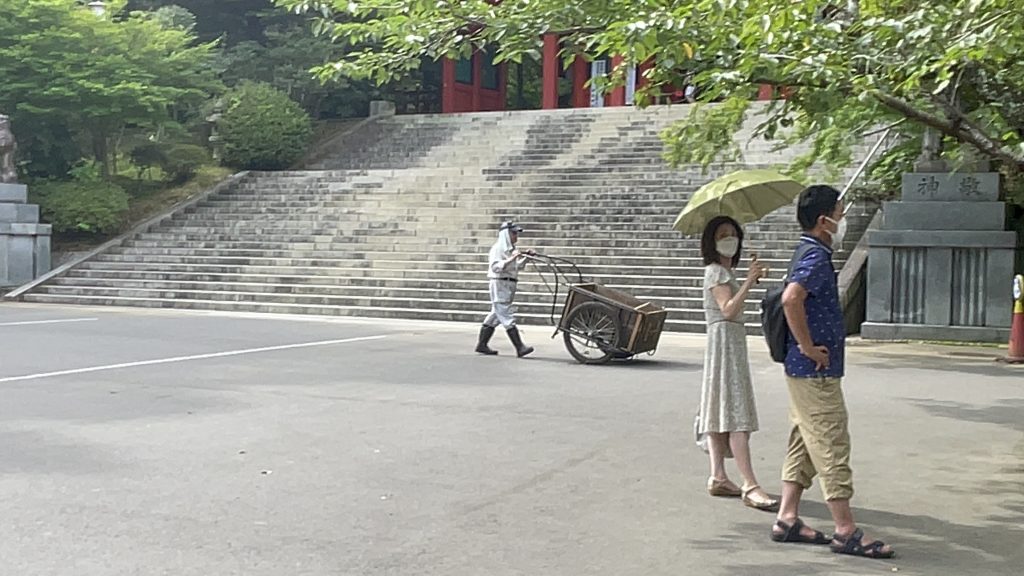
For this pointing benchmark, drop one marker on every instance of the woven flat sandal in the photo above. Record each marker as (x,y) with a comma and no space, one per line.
(769,504)
(853,546)
(721,489)
(791,533)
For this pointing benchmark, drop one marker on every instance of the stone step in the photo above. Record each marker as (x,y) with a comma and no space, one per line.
(367,239)
(602,268)
(579,255)
(580,232)
(485,226)
(586,209)
(599,269)
(675,196)
(529,280)
(398,242)
(679,275)
(682,297)
(540,321)
(527,304)
(435,250)
(463,192)
(498,195)
(666,201)
(590,216)
(589,182)
(595,177)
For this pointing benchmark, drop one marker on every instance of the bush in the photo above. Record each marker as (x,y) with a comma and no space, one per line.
(263,129)
(184,160)
(148,156)
(83,207)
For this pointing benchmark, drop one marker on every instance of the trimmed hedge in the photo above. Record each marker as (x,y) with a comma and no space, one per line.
(83,207)
(263,129)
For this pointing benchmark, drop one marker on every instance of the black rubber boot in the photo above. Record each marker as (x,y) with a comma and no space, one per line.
(521,349)
(485,336)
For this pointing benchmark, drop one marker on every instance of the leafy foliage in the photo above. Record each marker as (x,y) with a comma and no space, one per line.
(182,161)
(951,65)
(263,129)
(284,58)
(90,207)
(148,156)
(174,16)
(63,67)
(259,43)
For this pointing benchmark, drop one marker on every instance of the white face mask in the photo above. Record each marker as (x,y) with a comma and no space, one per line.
(839,234)
(728,246)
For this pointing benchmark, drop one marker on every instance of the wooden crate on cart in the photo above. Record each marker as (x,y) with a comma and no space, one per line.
(601,323)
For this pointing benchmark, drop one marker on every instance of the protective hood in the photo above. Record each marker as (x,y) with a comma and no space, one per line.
(504,244)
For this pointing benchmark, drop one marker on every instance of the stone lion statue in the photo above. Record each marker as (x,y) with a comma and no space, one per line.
(8,171)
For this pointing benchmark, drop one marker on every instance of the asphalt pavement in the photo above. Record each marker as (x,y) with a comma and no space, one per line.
(139,442)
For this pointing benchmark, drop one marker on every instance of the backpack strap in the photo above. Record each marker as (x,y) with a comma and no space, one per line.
(802,250)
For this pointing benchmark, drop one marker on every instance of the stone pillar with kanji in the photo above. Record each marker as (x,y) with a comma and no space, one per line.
(941,261)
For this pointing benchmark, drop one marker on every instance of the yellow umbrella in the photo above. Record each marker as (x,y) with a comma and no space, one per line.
(747,196)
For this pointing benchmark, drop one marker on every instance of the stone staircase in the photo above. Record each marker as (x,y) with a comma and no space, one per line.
(397,221)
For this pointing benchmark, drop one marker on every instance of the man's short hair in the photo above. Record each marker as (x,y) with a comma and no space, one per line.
(816,201)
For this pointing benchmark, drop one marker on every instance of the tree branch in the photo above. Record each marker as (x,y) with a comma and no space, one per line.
(956,125)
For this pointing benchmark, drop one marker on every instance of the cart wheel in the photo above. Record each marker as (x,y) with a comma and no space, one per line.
(592,333)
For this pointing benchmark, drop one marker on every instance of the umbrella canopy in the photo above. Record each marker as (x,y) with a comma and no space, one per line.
(747,196)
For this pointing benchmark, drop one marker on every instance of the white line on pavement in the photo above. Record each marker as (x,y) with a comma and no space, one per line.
(36,322)
(187,358)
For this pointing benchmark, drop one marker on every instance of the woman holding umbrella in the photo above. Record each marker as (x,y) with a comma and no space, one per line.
(728,413)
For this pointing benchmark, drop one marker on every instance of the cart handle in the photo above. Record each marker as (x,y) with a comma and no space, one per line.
(553,259)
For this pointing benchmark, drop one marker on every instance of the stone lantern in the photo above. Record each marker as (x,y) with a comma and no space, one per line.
(216,142)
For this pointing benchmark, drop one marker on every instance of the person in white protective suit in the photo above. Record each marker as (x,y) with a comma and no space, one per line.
(503,266)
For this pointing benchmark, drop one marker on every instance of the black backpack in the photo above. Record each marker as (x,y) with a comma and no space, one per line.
(773,319)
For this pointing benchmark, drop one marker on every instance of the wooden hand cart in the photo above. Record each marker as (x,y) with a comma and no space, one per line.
(599,323)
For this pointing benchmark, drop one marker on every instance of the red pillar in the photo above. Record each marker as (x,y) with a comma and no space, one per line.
(642,82)
(447,85)
(617,97)
(502,85)
(580,94)
(765,92)
(549,98)
(478,70)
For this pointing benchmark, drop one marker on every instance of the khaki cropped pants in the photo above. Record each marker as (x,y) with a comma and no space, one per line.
(819,438)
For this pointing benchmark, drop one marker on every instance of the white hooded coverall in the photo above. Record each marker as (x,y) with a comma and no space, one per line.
(503,279)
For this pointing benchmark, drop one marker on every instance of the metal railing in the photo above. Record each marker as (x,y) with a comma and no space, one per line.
(863,166)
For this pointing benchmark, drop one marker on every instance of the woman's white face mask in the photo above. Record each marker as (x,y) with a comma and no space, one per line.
(728,246)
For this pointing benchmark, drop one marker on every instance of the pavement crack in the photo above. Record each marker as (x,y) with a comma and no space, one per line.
(533,482)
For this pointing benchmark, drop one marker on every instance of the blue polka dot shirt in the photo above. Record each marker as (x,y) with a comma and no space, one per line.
(817,275)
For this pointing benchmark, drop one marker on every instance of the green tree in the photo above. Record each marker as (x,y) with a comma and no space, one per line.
(950,65)
(284,59)
(226,21)
(263,129)
(61,65)
(174,16)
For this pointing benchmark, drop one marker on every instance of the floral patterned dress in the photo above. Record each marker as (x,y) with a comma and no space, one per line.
(727,396)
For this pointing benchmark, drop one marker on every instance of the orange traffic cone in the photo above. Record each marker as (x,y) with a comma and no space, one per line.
(1015,355)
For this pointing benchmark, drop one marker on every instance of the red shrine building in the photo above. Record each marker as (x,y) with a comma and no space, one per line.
(478,84)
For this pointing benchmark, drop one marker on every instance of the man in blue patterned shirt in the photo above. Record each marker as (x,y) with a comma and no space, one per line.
(819,439)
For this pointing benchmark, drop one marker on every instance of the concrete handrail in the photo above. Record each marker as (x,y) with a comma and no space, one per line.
(20,291)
